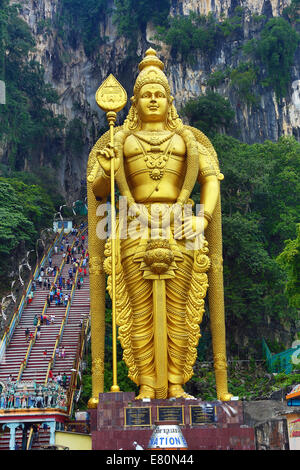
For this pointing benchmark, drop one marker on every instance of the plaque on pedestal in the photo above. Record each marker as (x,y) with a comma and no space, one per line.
(171,413)
(137,416)
(201,414)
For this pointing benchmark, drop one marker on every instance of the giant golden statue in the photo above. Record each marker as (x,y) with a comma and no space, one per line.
(161,276)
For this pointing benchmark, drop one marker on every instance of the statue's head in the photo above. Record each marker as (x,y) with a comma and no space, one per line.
(152,100)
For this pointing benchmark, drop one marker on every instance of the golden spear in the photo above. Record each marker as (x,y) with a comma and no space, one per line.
(111,98)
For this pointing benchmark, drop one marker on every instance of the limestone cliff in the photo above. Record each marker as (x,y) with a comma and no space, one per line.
(76,76)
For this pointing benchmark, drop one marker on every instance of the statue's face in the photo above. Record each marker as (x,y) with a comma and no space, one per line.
(152,104)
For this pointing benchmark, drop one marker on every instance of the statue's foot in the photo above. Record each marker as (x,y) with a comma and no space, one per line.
(145,392)
(226,397)
(176,391)
(93,403)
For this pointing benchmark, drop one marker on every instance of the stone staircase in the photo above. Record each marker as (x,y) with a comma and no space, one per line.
(37,364)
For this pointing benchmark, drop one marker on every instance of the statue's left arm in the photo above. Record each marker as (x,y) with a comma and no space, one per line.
(209,186)
(210,198)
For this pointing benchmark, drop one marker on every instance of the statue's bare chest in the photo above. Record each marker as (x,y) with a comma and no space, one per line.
(154,156)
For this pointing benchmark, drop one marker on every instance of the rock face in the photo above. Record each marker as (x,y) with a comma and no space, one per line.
(76,77)
(226,7)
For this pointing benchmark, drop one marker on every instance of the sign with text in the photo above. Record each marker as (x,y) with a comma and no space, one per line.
(170,413)
(202,414)
(137,416)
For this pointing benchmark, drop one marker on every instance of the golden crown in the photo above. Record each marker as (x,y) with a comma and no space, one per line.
(151,71)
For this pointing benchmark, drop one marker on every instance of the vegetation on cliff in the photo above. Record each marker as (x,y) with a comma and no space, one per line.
(24,210)
(131,16)
(79,21)
(210,113)
(275,51)
(269,55)
(260,203)
(192,33)
(289,259)
(28,130)
(29,127)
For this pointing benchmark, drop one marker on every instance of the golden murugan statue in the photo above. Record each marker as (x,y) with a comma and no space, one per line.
(161,282)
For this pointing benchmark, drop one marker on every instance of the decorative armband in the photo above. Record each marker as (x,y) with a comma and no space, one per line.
(207,171)
(207,216)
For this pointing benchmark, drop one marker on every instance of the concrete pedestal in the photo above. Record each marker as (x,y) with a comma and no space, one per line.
(122,423)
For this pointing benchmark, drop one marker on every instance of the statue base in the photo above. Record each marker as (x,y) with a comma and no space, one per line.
(122,423)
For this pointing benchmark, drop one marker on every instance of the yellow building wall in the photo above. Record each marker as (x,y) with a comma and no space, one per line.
(75,441)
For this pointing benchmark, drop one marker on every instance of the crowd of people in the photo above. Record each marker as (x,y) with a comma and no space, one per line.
(75,256)
(59,292)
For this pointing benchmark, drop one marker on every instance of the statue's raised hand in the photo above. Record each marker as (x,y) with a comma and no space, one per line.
(105,157)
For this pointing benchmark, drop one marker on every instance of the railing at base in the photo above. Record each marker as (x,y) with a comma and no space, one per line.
(281,362)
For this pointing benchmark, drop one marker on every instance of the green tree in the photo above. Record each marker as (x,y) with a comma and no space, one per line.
(289,259)
(243,79)
(83,17)
(28,125)
(36,203)
(232,26)
(188,34)
(131,16)
(276,51)
(292,11)
(15,227)
(24,211)
(278,201)
(260,199)
(210,113)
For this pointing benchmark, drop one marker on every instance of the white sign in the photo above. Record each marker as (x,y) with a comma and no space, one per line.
(167,437)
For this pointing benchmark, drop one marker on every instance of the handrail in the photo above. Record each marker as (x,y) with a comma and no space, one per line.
(19,310)
(72,386)
(32,341)
(278,362)
(29,440)
(64,320)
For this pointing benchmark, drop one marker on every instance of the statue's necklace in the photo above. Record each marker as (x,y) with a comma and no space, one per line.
(155,158)
(154,139)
